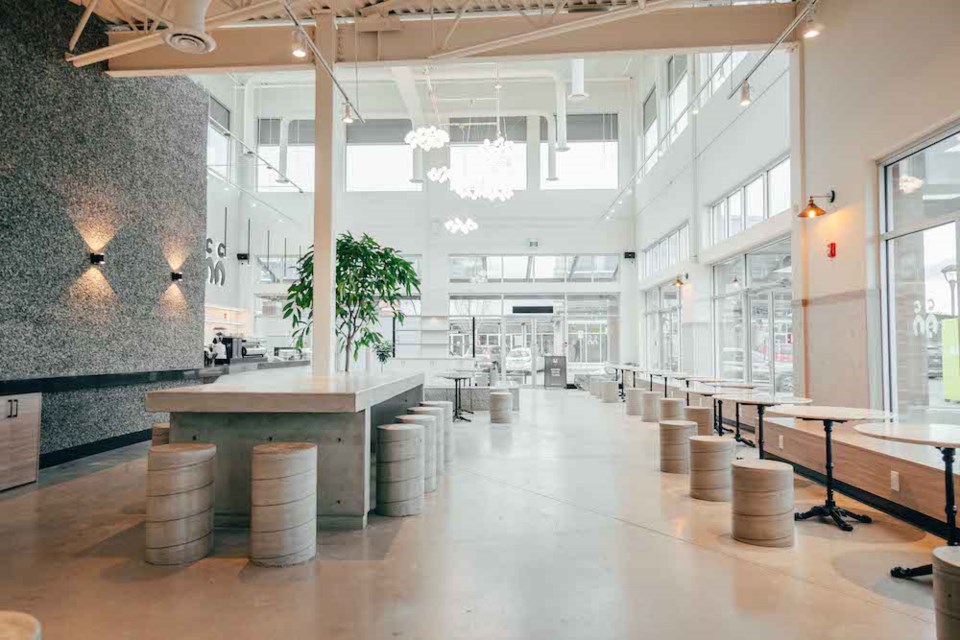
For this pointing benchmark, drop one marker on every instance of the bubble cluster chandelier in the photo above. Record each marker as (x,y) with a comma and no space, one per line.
(427,138)
(456,225)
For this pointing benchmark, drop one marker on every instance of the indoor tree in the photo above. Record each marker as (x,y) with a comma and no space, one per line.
(370,277)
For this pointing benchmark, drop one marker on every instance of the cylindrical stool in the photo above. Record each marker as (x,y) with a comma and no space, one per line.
(442,433)
(649,406)
(179,526)
(429,448)
(16,625)
(703,416)
(501,407)
(610,391)
(283,503)
(671,408)
(634,401)
(595,382)
(710,475)
(400,453)
(675,445)
(160,434)
(449,444)
(763,503)
(946,591)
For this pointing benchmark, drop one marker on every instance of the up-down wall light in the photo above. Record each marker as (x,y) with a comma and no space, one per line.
(97,258)
(176,276)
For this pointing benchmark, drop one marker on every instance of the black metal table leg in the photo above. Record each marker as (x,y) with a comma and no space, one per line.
(829,510)
(665,395)
(651,382)
(760,410)
(736,434)
(457,403)
(951,512)
(688,392)
(719,416)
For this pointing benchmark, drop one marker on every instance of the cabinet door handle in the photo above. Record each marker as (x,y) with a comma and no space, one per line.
(9,408)
(16,407)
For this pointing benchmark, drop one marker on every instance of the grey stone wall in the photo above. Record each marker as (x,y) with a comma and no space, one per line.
(93,163)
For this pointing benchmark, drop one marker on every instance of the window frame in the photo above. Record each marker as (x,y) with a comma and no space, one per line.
(764,176)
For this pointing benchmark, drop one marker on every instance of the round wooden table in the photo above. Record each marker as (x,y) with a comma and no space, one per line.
(718,404)
(946,438)
(828,416)
(761,401)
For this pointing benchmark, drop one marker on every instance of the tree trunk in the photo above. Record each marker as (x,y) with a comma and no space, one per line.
(346,366)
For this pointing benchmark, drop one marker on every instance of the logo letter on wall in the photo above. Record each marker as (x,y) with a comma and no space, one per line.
(216,272)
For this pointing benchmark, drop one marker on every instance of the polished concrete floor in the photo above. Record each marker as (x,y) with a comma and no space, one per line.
(559,526)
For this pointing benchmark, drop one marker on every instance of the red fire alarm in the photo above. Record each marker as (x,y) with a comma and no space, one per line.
(832,250)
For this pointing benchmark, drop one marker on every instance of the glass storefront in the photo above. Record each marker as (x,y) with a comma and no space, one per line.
(754,318)
(663,315)
(922,190)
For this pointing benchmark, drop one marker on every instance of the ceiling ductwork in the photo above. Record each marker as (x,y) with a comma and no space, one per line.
(187,34)
(577,91)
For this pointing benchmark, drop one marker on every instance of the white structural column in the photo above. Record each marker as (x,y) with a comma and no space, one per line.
(324,241)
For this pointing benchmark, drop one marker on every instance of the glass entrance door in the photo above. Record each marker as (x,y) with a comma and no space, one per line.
(770,356)
(527,340)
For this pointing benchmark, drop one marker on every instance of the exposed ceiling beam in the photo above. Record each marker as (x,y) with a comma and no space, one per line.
(136,41)
(253,48)
(407,87)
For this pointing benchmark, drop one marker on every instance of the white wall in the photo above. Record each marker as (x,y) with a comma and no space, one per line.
(882,75)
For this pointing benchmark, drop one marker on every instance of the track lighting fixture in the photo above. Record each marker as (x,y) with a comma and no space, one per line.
(347,114)
(811,27)
(745,99)
(299,47)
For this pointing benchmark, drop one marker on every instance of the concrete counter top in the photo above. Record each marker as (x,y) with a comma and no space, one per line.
(297,390)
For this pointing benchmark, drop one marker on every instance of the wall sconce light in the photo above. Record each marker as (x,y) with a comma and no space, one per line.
(97,258)
(812,210)
(176,276)
(681,280)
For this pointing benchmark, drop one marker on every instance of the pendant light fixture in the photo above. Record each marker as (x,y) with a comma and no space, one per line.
(814,211)
(298,47)
(745,99)
(811,27)
(347,114)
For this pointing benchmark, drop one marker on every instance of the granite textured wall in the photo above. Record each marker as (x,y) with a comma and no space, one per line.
(93,163)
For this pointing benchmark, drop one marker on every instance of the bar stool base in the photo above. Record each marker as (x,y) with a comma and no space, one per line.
(833,512)
(915,572)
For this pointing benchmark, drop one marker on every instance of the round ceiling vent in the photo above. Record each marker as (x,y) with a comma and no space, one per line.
(190,41)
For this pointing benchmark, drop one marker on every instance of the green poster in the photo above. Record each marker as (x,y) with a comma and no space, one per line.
(951,359)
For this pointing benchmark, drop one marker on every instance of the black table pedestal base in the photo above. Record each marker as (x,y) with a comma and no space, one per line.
(836,514)
(948,454)
(736,434)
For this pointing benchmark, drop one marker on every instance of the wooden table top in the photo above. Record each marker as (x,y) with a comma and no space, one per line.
(733,385)
(819,412)
(934,434)
(764,399)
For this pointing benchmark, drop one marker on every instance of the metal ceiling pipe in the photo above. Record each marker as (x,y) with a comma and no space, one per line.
(561,87)
(577,91)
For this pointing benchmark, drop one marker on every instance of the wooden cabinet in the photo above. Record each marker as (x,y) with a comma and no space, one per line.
(19,439)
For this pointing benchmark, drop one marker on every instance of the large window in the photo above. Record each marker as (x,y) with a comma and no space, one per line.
(762,197)
(287,154)
(218,141)
(754,317)
(667,252)
(468,158)
(921,241)
(592,160)
(662,318)
(377,158)
(534,268)
(650,151)
(678,92)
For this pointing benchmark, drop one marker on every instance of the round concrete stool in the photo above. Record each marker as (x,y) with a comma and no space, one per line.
(946,591)
(675,445)
(610,391)
(703,416)
(283,503)
(501,407)
(442,433)
(400,453)
(710,475)
(16,625)
(649,406)
(671,408)
(595,382)
(429,448)
(160,434)
(763,503)
(179,526)
(634,401)
(449,444)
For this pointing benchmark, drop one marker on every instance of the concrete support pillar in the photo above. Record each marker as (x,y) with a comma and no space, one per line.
(324,239)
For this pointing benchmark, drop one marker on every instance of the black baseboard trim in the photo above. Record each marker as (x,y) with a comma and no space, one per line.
(53,458)
(910,516)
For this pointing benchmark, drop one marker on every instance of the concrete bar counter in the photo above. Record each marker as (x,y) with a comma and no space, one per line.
(337,413)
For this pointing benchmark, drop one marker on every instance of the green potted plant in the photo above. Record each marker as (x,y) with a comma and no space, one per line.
(384,351)
(369,277)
